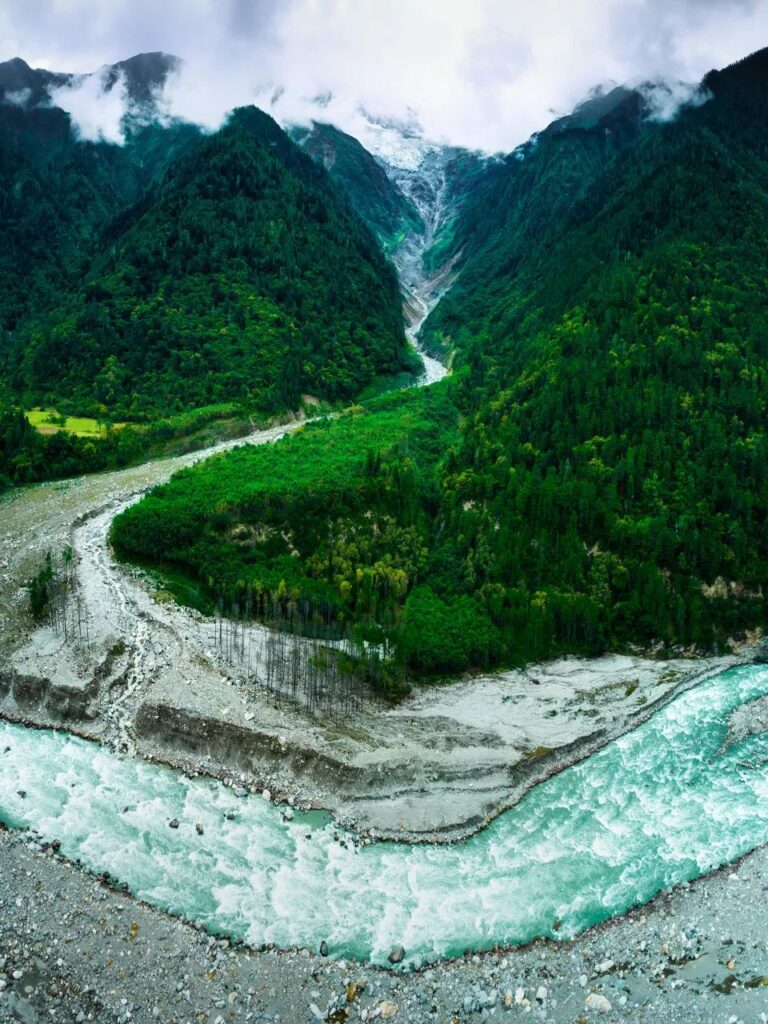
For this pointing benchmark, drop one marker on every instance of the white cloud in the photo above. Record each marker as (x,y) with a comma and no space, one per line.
(484,73)
(96,112)
(665,98)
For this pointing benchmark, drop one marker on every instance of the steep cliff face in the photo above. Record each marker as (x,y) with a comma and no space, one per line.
(409,190)
(384,207)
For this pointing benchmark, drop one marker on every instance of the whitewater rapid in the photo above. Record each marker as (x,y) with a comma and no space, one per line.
(659,806)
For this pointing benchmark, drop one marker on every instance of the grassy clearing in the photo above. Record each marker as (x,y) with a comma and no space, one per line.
(48,421)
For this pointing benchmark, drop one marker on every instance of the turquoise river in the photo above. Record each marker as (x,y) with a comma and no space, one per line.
(661,805)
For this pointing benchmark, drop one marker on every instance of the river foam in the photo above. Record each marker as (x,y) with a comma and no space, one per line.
(659,806)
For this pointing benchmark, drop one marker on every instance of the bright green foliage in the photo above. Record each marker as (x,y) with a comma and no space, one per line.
(26,456)
(49,421)
(337,520)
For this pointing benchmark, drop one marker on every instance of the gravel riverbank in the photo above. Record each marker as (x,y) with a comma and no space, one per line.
(73,949)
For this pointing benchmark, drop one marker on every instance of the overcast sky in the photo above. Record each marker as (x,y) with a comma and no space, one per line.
(484,73)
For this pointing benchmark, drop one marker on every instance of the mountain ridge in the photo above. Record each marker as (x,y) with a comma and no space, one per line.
(195,281)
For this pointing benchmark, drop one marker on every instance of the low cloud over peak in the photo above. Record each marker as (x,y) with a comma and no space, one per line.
(486,74)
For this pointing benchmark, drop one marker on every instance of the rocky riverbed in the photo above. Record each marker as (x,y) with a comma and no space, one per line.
(149,678)
(73,949)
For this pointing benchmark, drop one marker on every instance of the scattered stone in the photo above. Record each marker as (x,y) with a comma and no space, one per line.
(173,823)
(323,948)
(199,829)
(387,1009)
(598,1003)
(489,999)
(397,955)
(604,967)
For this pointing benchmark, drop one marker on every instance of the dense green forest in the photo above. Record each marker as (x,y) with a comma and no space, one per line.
(57,197)
(242,275)
(156,280)
(606,483)
(331,528)
(611,476)
(59,194)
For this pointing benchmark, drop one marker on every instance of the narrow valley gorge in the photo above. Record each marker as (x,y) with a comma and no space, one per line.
(382,564)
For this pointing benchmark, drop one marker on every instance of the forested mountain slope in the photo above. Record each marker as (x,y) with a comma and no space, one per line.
(58,193)
(611,482)
(242,273)
(517,205)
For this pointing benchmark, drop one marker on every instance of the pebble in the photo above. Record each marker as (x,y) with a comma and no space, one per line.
(598,1003)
